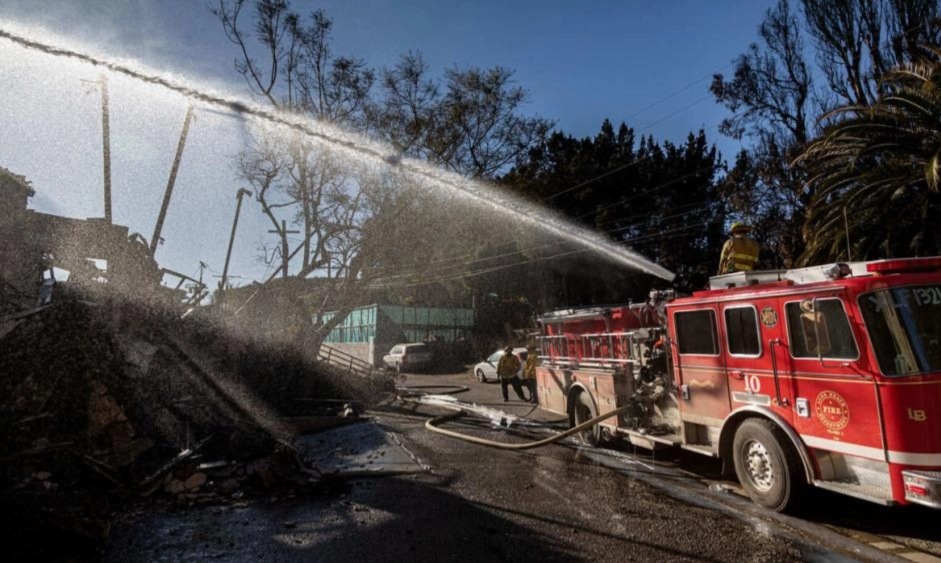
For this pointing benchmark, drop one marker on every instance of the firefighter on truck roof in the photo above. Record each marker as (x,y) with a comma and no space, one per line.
(740,253)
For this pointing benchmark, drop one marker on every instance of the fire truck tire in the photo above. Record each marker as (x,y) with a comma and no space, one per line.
(582,411)
(767,466)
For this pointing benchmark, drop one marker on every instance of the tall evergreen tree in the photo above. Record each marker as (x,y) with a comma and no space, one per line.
(661,199)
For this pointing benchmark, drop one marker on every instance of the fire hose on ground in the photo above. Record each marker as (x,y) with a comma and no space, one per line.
(406,393)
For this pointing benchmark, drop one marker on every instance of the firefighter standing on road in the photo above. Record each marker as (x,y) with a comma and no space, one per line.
(507,369)
(529,373)
(740,253)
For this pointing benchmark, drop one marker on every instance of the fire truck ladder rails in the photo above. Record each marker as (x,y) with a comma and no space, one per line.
(622,349)
(433,423)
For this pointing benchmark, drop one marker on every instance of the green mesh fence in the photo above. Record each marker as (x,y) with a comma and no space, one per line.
(414,323)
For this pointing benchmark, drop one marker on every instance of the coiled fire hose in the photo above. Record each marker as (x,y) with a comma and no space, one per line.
(432,424)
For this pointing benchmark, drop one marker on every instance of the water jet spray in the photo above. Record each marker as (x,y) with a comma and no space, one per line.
(474,191)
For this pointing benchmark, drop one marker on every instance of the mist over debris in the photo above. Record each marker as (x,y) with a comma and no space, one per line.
(121,374)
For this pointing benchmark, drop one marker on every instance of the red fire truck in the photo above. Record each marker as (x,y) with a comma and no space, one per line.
(827,376)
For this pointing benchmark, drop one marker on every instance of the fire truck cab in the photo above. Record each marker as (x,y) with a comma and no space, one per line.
(827,376)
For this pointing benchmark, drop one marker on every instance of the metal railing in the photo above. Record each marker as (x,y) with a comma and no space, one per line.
(344,361)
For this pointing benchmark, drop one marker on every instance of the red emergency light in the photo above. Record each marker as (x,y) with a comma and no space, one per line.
(916,489)
(905,265)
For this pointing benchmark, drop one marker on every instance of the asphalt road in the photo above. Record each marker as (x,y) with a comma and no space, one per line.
(562,502)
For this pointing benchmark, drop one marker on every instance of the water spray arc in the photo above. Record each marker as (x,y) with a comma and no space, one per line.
(475,192)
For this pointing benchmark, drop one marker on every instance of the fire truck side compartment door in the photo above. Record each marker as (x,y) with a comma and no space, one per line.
(700,364)
(748,326)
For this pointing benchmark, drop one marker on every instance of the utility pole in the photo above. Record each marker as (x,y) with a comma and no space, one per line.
(285,257)
(235,222)
(106,144)
(155,240)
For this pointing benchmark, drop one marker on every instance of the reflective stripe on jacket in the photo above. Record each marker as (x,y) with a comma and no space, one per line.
(508,366)
(739,254)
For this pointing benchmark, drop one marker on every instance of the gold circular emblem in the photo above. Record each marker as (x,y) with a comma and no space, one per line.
(769,317)
(832,410)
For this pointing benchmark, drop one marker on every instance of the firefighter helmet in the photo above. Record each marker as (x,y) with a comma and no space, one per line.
(739,227)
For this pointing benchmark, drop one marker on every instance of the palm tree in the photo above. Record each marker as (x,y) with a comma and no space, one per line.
(876,172)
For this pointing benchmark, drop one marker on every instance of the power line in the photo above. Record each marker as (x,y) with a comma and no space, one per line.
(674,93)
(596,178)
(681,110)
(638,112)
(650,213)
(648,191)
(654,219)
(612,171)
(650,217)
(687,230)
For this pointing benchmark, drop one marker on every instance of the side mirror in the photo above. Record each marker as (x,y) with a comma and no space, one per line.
(813,316)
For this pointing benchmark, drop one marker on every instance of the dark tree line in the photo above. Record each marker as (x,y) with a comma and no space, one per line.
(659,198)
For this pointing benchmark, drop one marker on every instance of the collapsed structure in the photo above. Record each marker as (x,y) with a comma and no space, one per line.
(113,383)
(33,245)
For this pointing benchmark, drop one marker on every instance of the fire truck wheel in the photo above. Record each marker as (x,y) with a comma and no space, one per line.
(584,411)
(766,465)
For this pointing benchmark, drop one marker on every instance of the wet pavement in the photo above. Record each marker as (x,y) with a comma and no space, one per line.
(364,449)
(464,502)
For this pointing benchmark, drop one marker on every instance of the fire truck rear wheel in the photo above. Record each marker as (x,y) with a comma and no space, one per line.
(583,411)
(767,466)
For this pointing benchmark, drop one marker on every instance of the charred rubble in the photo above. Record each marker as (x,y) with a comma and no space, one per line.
(115,393)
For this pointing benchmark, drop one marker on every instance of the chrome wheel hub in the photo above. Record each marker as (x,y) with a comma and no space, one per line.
(758,465)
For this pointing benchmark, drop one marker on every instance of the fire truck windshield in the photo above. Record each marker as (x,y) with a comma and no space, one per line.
(904,325)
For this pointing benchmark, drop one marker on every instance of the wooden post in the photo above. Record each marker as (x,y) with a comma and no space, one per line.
(106,144)
(155,240)
(235,222)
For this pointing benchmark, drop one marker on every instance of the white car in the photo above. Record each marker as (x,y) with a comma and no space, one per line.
(408,357)
(487,369)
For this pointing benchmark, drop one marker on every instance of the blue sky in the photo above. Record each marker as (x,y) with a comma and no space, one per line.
(581,62)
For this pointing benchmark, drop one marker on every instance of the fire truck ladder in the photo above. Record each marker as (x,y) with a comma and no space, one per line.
(624,342)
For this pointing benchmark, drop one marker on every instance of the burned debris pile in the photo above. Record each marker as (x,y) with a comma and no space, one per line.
(108,403)
(117,388)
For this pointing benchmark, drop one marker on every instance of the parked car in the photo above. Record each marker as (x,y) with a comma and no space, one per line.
(408,357)
(487,369)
